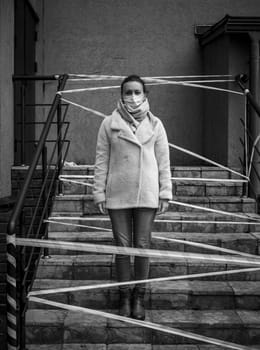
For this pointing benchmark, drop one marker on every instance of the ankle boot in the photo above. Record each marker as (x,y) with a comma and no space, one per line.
(138,310)
(125,302)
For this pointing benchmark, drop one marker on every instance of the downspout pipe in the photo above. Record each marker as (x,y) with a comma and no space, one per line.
(254,118)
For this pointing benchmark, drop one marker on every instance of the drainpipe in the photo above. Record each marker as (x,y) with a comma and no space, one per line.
(254,119)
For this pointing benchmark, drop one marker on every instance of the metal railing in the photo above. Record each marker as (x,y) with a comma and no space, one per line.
(23,261)
(29,220)
(249,143)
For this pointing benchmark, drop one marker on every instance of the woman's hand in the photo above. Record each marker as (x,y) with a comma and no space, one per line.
(102,207)
(163,206)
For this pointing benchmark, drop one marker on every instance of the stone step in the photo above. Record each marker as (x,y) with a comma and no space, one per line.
(244,242)
(176,171)
(169,295)
(83,204)
(180,188)
(99,266)
(209,224)
(61,326)
(123,346)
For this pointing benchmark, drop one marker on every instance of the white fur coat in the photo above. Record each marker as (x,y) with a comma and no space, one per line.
(132,170)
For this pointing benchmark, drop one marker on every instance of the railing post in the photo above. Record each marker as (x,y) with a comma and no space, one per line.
(13,329)
(254,118)
(44,172)
(11,294)
(59,148)
(246,147)
(23,123)
(21,297)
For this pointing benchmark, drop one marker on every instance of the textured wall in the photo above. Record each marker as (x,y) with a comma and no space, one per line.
(6,95)
(147,37)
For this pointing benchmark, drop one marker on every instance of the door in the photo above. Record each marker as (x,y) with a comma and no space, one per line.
(24,91)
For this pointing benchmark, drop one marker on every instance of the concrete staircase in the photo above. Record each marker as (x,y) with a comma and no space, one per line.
(224,307)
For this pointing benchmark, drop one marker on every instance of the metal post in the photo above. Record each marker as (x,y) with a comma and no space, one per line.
(21,297)
(11,293)
(12,315)
(44,197)
(59,148)
(21,253)
(254,88)
(246,145)
(23,123)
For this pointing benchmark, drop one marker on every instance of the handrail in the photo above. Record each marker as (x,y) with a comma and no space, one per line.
(37,77)
(241,80)
(16,293)
(20,201)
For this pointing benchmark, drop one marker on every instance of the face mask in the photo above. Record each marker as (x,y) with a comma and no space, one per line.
(133,101)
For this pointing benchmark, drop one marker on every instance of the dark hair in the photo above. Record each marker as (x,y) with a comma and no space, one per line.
(133,77)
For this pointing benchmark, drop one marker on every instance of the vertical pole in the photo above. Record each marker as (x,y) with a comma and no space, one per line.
(59,148)
(245,185)
(11,293)
(12,314)
(21,287)
(44,197)
(23,123)
(254,119)
(21,251)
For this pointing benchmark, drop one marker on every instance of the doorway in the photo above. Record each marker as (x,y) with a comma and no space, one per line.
(26,21)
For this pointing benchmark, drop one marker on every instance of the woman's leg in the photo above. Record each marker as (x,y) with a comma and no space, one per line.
(121,220)
(142,226)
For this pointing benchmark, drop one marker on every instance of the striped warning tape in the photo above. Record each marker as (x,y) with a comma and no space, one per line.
(216,211)
(120,77)
(71,80)
(76,176)
(196,155)
(155,81)
(178,178)
(206,179)
(195,85)
(109,87)
(85,108)
(187,242)
(111,249)
(76,182)
(149,325)
(76,225)
(150,280)
(204,245)
(180,221)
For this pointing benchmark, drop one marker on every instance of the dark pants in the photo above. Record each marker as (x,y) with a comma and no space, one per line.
(132,228)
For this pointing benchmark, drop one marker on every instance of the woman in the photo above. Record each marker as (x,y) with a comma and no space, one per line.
(133,182)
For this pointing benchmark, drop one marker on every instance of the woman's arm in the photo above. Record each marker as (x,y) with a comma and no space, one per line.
(101,166)
(163,161)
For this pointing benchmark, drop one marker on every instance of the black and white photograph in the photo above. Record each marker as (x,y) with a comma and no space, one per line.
(129,174)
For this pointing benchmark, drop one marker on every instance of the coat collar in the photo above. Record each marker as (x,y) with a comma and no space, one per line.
(143,133)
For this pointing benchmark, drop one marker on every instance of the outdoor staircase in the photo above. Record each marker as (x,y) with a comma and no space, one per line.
(225,307)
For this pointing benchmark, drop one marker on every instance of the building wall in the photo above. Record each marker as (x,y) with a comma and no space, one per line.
(215,104)
(6,94)
(147,37)
(238,63)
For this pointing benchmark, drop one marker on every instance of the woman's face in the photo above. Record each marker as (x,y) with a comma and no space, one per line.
(133,93)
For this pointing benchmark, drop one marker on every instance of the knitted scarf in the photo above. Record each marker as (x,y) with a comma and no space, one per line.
(136,116)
